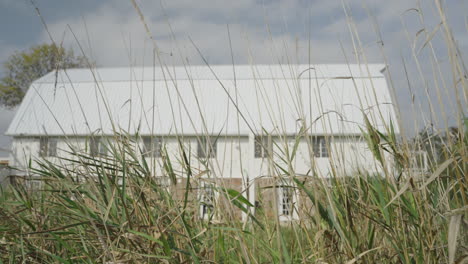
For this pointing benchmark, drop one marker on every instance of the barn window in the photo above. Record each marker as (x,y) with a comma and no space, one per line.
(52,151)
(152,146)
(207,200)
(206,147)
(287,200)
(262,146)
(47,147)
(320,147)
(97,146)
(418,162)
(43,145)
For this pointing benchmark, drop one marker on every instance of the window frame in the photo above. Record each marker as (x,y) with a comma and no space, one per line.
(263,145)
(207,205)
(48,147)
(207,148)
(43,146)
(287,212)
(152,146)
(52,147)
(97,147)
(320,146)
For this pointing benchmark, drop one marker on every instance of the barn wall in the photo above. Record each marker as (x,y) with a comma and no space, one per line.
(235,166)
(235,157)
(347,156)
(23,149)
(230,162)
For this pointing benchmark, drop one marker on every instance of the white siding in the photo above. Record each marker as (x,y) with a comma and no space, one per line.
(234,158)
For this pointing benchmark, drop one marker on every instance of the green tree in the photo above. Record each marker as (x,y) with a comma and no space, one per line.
(22,68)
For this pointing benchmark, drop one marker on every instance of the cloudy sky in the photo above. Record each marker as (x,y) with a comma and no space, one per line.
(111,33)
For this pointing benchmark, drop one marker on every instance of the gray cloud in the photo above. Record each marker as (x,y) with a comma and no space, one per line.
(262,33)
(5,51)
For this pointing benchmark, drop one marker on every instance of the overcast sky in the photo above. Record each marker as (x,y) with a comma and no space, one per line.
(111,33)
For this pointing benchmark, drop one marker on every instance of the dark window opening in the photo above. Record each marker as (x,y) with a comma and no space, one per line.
(152,147)
(97,146)
(206,147)
(320,147)
(262,146)
(47,147)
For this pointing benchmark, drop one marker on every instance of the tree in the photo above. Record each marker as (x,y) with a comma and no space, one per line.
(22,68)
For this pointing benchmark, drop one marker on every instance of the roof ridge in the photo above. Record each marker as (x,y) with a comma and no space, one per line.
(203,72)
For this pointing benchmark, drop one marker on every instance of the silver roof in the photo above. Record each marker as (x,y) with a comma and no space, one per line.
(328,99)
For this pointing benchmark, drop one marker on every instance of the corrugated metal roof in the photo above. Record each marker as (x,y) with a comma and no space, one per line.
(191,100)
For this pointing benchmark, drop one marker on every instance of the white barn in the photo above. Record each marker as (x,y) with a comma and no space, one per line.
(254,116)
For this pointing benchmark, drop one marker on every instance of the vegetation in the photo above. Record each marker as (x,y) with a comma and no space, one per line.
(22,68)
(109,210)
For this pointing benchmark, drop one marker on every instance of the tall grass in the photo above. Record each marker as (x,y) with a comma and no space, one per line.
(109,209)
